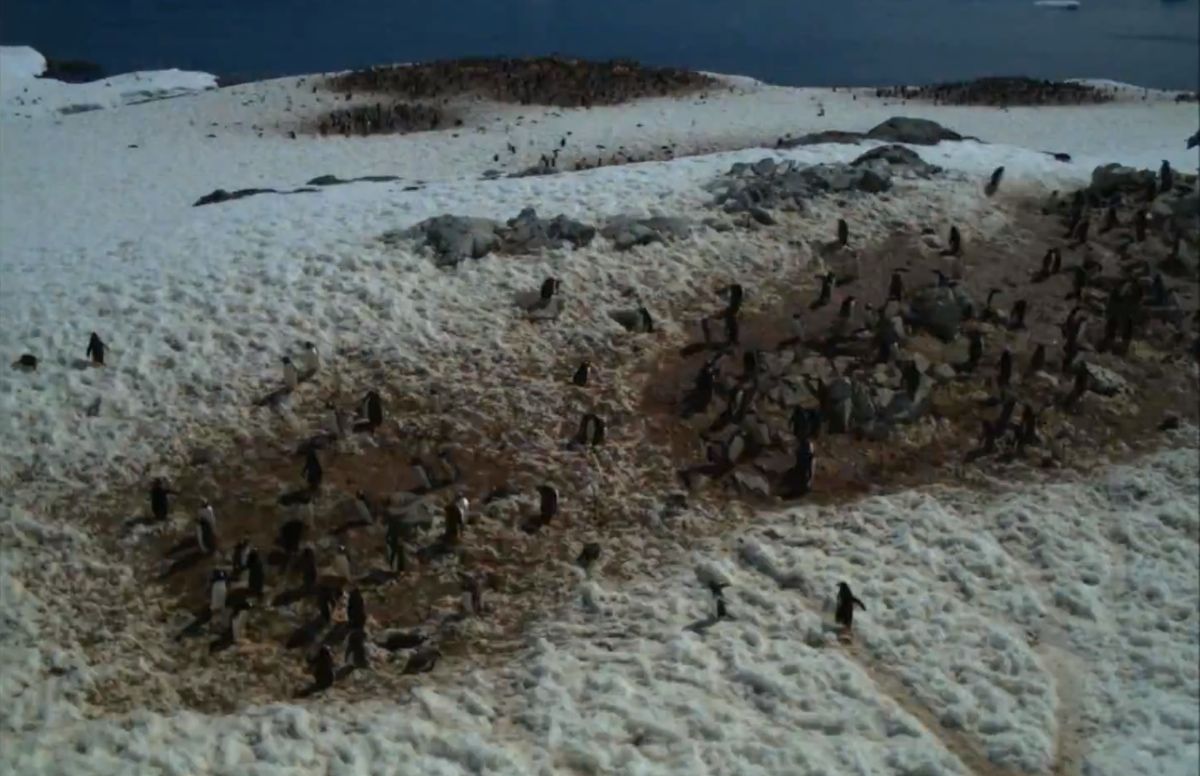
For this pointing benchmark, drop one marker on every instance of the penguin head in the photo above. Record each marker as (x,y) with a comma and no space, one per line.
(847,307)
(219,575)
(286,360)
(309,346)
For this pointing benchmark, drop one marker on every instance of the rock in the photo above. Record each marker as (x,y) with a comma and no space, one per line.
(897,156)
(764,166)
(1109,179)
(454,238)
(527,232)
(943,373)
(326,180)
(752,483)
(221,195)
(901,129)
(940,310)
(1106,382)
(626,232)
(762,216)
(718,225)
(816,138)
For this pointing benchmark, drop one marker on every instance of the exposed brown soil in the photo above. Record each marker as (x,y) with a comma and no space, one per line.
(1002,92)
(385,118)
(610,492)
(557,81)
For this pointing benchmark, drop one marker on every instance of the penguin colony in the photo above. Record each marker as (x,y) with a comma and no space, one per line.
(303,569)
(1001,92)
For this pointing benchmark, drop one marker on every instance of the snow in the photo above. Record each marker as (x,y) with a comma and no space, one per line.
(23,94)
(1036,621)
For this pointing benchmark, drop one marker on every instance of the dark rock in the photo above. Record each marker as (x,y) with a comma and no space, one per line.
(901,129)
(326,180)
(1115,178)
(72,71)
(454,238)
(221,195)
(940,310)
(897,156)
(762,216)
(816,138)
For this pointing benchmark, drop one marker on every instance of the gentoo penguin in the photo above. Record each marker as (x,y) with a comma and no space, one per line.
(311,471)
(591,430)
(1016,316)
(308,632)
(371,412)
(1004,373)
(1166,177)
(581,375)
(844,321)
(397,560)
(994,182)
(826,294)
(322,669)
(845,606)
(638,321)
(422,661)
(1038,361)
(310,359)
(736,293)
(718,594)
(255,574)
(955,247)
(1140,222)
(547,502)
(160,505)
(95,349)
(588,556)
(1082,377)
(339,420)
(989,312)
(217,590)
(290,375)
(896,288)
(307,564)
(546,303)
(356,650)
(472,590)
(797,481)
(26,363)
(356,610)
(974,351)
(206,530)
(843,232)
(239,612)
(341,562)
(453,524)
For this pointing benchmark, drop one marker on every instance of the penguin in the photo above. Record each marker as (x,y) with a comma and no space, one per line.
(322,670)
(638,321)
(581,375)
(955,246)
(312,471)
(1056,266)
(844,321)
(591,430)
(206,532)
(307,564)
(422,661)
(1016,316)
(798,480)
(1004,375)
(717,589)
(95,349)
(341,562)
(371,412)
(241,554)
(896,288)
(736,294)
(1079,388)
(826,294)
(732,328)
(356,610)
(989,312)
(218,588)
(1110,220)
(239,611)
(364,508)
(472,591)
(846,602)
(1028,430)
(308,632)
(160,505)
(1140,222)
(547,502)
(974,351)
(588,556)
(1037,362)
(290,376)
(453,524)
(545,300)
(397,559)
(843,233)
(255,573)
(310,359)
(1005,419)
(1166,177)
(356,650)
(26,363)
(1047,263)
(339,421)
(994,183)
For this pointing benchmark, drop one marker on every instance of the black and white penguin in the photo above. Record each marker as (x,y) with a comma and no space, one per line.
(1166,177)
(846,601)
(955,246)
(356,610)
(826,295)
(591,430)
(160,504)
(588,556)
(797,481)
(547,502)
(26,363)
(290,376)
(545,301)
(397,558)
(843,232)
(638,321)
(218,588)
(1140,223)
(717,589)
(95,349)
(206,530)
(356,650)
(844,322)
(472,592)
(255,573)
(241,554)
(310,359)
(239,612)
(896,288)
(735,294)
(312,471)
(1004,373)
(322,669)
(1016,316)
(453,517)
(994,182)
(341,562)
(371,412)
(974,351)
(582,374)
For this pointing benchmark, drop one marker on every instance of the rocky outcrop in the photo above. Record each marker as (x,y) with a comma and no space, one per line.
(625,232)
(941,310)
(901,129)
(454,238)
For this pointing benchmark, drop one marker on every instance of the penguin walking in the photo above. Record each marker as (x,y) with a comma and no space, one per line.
(95,349)
(826,294)
(582,374)
(547,509)
(994,182)
(843,233)
(735,294)
(846,601)
(370,412)
(206,530)
(160,504)
(591,430)
(718,594)
(312,471)
(218,589)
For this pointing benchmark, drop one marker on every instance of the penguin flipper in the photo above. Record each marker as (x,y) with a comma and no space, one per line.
(859,604)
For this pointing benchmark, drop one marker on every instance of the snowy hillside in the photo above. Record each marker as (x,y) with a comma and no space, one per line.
(1044,626)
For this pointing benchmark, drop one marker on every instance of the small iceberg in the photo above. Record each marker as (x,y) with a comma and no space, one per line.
(1066,5)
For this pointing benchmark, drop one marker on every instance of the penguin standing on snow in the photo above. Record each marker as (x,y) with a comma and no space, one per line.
(95,349)
(718,593)
(844,615)
(994,182)
(547,304)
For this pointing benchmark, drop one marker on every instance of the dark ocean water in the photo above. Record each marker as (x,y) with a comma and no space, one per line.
(801,42)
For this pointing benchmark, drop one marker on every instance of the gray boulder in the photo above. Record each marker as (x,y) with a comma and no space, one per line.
(817,138)
(454,238)
(626,232)
(897,156)
(528,232)
(941,310)
(1109,179)
(1105,382)
(901,129)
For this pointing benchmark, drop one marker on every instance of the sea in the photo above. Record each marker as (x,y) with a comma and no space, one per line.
(794,42)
